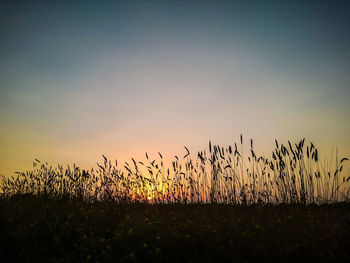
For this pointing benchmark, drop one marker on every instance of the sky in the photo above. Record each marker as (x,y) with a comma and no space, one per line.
(83,78)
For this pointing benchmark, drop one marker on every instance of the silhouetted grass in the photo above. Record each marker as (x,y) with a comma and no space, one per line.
(216,206)
(293,174)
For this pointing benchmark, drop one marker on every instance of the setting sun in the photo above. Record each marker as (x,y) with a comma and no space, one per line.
(149,198)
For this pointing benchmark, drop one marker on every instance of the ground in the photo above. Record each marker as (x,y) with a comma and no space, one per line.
(37,229)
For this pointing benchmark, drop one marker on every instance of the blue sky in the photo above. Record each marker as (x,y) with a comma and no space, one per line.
(124,77)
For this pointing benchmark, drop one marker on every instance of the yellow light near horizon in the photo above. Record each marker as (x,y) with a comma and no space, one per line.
(149,198)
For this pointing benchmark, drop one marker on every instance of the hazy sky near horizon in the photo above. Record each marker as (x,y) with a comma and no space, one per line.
(78,79)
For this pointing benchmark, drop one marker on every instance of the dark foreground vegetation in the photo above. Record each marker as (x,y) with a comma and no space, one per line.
(223,204)
(36,229)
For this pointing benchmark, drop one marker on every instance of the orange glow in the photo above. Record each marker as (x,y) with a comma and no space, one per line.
(149,198)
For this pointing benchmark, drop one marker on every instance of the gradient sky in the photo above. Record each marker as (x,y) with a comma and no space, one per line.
(125,77)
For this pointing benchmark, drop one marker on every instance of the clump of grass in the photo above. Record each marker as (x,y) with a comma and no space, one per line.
(293,174)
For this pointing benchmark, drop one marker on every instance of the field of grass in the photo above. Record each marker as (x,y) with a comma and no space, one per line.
(227,175)
(221,205)
(36,229)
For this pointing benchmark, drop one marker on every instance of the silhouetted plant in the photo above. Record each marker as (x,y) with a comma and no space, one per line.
(293,174)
